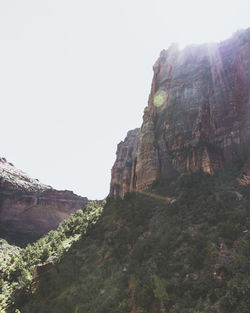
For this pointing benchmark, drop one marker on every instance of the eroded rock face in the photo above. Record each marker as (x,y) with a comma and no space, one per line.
(123,176)
(30,207)
(198,113)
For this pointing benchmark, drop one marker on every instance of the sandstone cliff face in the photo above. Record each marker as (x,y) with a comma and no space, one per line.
(28,206)
(198,114)
(123,170)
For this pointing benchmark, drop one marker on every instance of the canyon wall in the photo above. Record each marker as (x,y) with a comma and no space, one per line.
(125,164)
(197,118)
(29,207)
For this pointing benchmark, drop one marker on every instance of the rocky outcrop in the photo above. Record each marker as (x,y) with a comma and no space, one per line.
(123,176)
(197,118)
(30,207)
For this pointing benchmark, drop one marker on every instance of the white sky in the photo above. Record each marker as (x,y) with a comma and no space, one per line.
(75,77)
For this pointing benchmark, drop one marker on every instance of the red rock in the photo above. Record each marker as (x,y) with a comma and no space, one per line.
(197,118)
(122,171)
(28,206)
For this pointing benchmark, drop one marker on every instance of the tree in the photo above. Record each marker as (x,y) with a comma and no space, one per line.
(160,292)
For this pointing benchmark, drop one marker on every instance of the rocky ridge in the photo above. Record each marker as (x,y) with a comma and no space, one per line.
(29,207)
(11,177)
(197,118)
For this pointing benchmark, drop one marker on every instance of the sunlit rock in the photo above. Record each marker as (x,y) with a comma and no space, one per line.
(197,118)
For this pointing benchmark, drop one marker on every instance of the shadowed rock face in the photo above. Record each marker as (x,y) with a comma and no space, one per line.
(30,207)
(198,114)
(123,170)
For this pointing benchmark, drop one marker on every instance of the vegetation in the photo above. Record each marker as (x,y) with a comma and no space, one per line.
(182,247)
(17,266)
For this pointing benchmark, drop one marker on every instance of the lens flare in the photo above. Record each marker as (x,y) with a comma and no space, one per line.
(159,98)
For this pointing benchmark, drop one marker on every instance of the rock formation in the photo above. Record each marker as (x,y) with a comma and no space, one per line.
(125,164)
(30,207)
(197,118)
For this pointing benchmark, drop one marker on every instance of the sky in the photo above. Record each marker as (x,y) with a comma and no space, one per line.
(75,76)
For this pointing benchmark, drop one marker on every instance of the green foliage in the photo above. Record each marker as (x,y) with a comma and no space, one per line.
(160,292)
(147,254)
(18,267)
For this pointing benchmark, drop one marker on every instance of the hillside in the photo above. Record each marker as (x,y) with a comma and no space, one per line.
(181,247)
(20,269)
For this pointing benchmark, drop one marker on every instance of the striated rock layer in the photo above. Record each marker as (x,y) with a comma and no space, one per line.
(30,207)
(197,118)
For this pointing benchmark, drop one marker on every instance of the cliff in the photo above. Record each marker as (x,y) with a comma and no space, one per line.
(197,117)
(28,208)
(123,170)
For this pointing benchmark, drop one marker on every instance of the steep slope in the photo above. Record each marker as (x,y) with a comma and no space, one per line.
(28,208)
(20,269)
(183,247)
(198,115)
